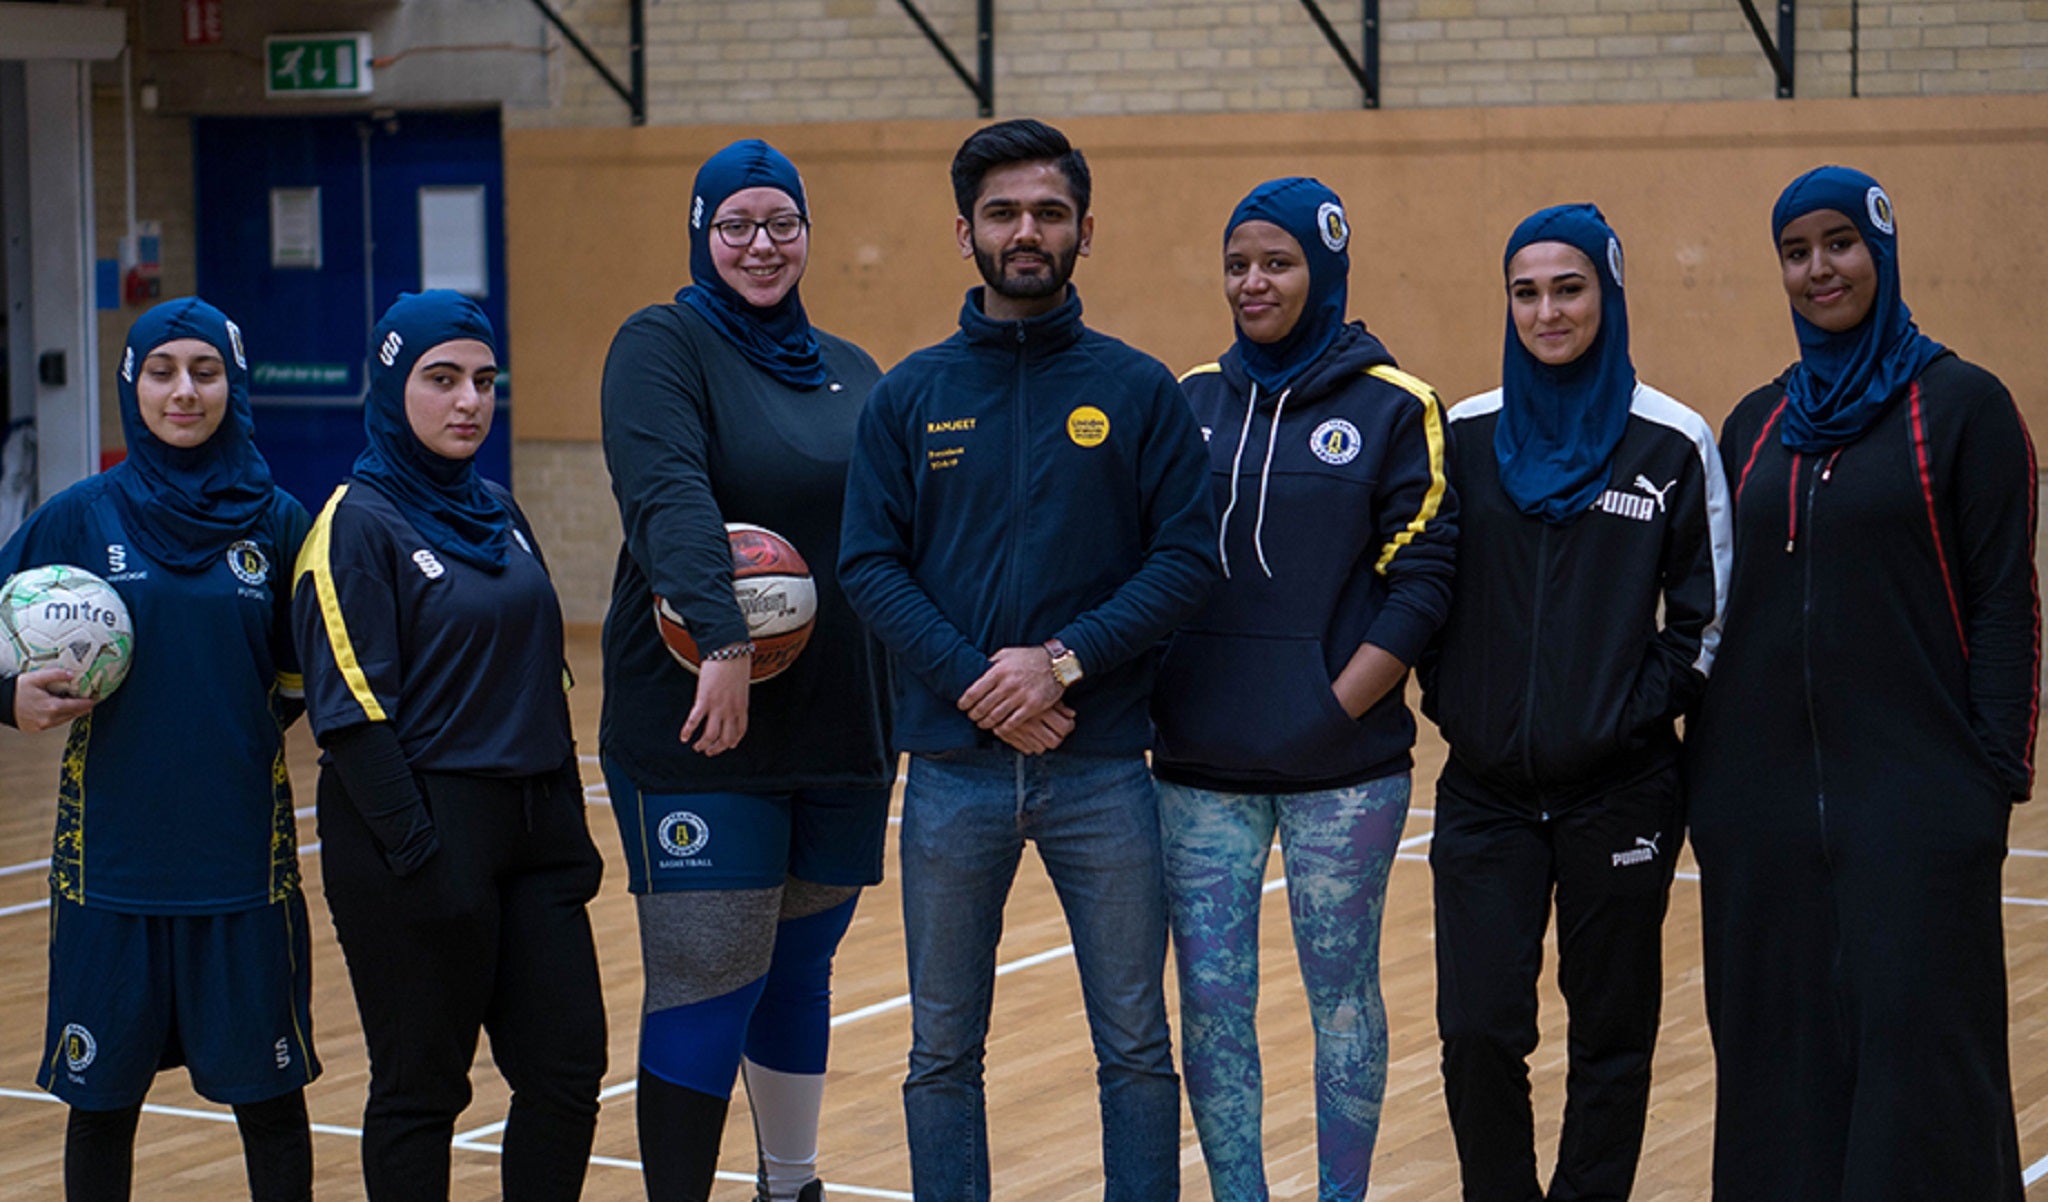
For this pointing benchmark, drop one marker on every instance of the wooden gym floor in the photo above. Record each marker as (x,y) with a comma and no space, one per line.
(1041,1086)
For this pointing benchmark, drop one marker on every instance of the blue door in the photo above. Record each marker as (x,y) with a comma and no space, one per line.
(309,227)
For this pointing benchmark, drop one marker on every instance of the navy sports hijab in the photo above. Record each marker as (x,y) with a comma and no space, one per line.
(778,339)
(1559,425)
(1843,381)
(185,506)
(444,499)
(1313,216)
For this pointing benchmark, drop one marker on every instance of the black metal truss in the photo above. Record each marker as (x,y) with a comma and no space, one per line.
(1367,71)
(983,84)
(634,95)
(1780,52)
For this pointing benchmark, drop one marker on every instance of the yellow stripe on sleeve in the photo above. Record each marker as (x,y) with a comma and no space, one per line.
(1433,430)
(314,560)
(1203,370)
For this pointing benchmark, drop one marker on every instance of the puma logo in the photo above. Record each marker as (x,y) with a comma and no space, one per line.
(1643,482)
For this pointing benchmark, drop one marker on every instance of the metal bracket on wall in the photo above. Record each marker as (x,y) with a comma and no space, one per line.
(1367,73)
(983,88)
(636,46)
(1779,53)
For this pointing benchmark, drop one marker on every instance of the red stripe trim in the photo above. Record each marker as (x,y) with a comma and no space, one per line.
(1955,611)
(2033,586)
(1792,504)
(1757,447)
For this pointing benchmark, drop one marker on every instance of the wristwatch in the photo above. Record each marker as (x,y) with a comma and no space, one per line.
(1066,666)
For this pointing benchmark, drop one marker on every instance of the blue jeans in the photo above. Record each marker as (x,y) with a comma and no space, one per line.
(966,817)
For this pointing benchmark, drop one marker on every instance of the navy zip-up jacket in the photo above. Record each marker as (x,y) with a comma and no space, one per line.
(1339,529)
(1022,481)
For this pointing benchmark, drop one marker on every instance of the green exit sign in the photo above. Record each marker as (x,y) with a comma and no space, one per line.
(317,64)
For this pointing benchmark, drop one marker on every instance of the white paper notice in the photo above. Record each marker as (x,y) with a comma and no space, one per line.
(453,248)
(295,227)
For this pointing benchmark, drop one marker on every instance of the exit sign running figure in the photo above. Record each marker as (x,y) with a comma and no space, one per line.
(317,64)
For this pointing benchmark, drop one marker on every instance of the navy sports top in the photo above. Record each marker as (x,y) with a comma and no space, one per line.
(173,797)
(465,664)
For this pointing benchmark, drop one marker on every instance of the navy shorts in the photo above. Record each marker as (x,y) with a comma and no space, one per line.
(226,995)
(684,841)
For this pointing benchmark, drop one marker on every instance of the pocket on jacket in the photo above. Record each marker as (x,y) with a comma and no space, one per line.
(1251,704)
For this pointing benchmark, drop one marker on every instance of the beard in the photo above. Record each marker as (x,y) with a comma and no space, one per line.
(1026,287)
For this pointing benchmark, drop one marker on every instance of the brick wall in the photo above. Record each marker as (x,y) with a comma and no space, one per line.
(163,193)
(811,60)
(564,490)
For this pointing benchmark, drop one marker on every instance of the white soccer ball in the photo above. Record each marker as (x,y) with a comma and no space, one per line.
(64,617)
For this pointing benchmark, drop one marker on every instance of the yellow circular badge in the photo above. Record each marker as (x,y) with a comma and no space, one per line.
(1088,426)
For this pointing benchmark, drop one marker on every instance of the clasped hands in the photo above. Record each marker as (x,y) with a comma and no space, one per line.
(1019,699)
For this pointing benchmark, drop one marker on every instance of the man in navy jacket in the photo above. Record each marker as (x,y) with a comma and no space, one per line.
(1027,516)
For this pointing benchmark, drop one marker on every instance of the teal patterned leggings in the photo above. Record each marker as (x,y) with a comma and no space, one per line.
(1338,848)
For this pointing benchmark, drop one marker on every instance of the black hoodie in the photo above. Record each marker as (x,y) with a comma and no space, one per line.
(1338,527)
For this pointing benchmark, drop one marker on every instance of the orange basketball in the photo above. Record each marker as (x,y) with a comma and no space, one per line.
(773,586)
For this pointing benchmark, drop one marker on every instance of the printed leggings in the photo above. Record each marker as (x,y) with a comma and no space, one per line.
(1338,848)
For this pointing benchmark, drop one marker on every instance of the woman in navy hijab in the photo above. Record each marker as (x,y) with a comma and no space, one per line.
(177,928)
(455,857)
(1280,706)
(751,799)
(1592,564)
(1870,724)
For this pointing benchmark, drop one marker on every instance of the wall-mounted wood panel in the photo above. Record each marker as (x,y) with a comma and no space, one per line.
(595,223)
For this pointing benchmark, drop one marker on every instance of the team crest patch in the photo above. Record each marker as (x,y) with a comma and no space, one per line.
(429,566)
(1088,426)
(247,561)
(1335,441)
(1336,231)
(235,344)
(80,1048)
(1614,259)
(683,834)
(388,353)
(1880,206)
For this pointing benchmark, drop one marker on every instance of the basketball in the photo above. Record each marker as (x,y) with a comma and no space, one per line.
(773,586)
(65,617)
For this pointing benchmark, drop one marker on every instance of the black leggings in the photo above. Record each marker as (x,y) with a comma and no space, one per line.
(492,934)
(277,1145)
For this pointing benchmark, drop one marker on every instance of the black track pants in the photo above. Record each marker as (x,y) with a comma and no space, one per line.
(490,934)
(1497,863)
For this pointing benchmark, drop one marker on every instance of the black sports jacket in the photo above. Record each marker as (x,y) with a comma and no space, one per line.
(1556,674)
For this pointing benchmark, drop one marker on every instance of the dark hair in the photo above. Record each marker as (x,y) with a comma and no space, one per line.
(1020,141)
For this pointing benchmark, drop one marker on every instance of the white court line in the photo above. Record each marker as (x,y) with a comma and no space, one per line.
(309,849)
(462,1142)
(313,849)
(2035,1171)
(182,1112)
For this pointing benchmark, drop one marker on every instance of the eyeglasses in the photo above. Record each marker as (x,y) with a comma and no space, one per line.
(738,232)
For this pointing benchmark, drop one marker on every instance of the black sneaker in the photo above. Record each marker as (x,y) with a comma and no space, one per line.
(813,1191)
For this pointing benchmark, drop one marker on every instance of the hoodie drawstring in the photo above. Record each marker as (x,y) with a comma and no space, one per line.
(1265,476)
(1223,523)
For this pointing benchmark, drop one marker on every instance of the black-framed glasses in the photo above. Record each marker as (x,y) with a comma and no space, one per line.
(738,232)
